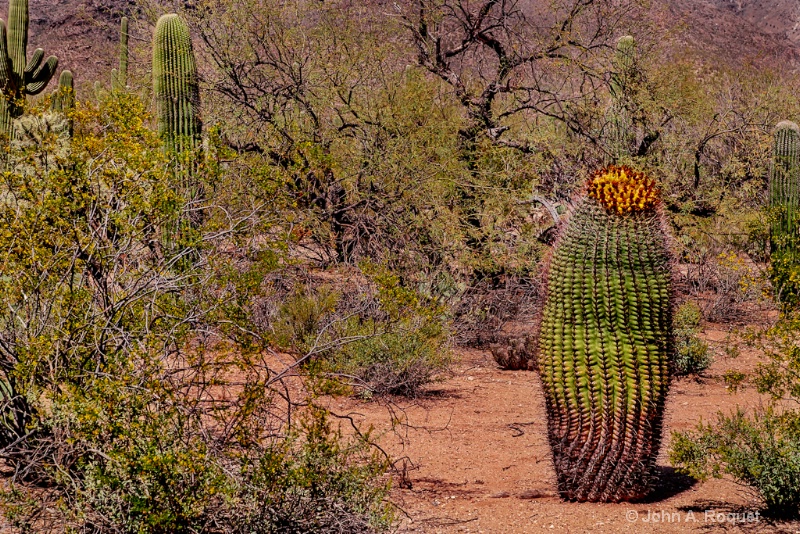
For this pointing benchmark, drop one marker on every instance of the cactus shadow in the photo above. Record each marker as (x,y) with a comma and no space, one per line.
(669,483)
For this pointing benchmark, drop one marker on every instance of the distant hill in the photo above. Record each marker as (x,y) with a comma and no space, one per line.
(732,31)
(776,17)
(83,33)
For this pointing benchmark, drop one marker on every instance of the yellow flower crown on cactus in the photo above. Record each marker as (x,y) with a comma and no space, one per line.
(622,190)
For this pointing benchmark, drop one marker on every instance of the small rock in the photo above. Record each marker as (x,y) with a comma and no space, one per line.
(532,494)
(499,495)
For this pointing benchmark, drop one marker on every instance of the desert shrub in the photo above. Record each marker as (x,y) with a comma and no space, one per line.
(137,399)
(381,338)
(313,481)
(691,352)
(761,451)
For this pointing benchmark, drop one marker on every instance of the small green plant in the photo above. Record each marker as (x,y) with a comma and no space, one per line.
(762,451)
(691,353)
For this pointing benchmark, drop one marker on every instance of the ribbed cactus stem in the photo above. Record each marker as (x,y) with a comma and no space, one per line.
(177,95)
(64,95)
(624,64)
(604,343)
(784,202)
(119,77)
(18,35)
(784,183)
(175,85)
(18,76)
(621,135)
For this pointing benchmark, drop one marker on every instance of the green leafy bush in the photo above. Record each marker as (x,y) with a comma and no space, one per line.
(762,451)
(136,397)
(381,339)
(691,352)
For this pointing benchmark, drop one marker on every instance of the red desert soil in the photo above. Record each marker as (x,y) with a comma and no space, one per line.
(481,463)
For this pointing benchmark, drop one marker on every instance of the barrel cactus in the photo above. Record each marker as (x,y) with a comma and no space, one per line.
(605,339)
(19,77)
(784,203)
(515,353)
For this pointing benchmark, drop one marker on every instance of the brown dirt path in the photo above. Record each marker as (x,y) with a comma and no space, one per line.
(480,461)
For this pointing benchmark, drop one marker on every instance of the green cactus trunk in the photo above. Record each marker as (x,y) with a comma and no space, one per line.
(175,85)
(604,350)
(119,77)
(784,203)
(621,135)
(177,95)
(64,96)
(18,76)
(64,99)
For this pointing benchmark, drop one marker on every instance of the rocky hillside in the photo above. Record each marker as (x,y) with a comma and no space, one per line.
(733,31)
(776,17)
(84,33)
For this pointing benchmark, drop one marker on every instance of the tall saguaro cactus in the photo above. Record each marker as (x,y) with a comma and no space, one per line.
(119,76)
(784,203)
(177,94)
(18,76)
(175,85)
(624,79)
(604,339)
(64,99)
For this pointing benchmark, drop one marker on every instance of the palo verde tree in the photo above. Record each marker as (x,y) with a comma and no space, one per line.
(509,62)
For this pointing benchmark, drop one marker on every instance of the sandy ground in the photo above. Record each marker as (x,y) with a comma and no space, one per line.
(478,459)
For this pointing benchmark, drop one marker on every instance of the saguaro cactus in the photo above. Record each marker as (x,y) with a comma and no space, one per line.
(784,202)
(64,99)
(119,77)
(18,76)
(175,85)
(604,339)
(64,95)
(621,135)
(177,94)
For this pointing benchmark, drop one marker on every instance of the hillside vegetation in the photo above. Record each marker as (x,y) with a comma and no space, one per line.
(269,204)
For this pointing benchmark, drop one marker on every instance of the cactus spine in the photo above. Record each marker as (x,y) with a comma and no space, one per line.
(18,76)
(623,80)
(175,85)
(784,203)
(604,340)
(119,77)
